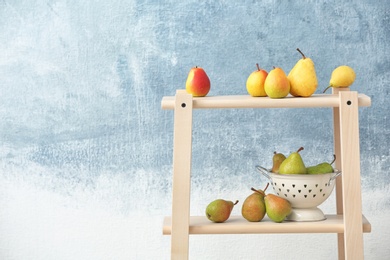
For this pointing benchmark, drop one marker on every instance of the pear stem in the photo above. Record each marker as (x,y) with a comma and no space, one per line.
(334,159)
(326,89)
(303,55)
(300,149)
(266,187)
(260,192)
(258,67)
(253,189)
(235,203)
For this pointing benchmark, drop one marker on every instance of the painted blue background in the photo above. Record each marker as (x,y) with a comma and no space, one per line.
(86,151)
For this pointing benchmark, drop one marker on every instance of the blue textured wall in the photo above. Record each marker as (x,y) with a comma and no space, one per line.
(86,149)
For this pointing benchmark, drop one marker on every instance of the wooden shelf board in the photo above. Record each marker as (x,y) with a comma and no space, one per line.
(238,225)
(246,101)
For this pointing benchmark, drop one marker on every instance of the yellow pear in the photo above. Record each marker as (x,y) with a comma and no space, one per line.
(276,84)
(303,78)
(342,77)
(255,82)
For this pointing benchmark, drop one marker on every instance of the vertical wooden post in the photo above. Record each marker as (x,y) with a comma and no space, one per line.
(339,181)
(182,152)
(350,167)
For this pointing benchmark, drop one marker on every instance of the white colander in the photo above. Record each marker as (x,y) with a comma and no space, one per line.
(304,192)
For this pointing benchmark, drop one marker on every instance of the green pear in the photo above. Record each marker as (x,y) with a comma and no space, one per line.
(219,210)
(293,164)
(324,167)
(303,78)
(277,208)
(253,208)
(277,159)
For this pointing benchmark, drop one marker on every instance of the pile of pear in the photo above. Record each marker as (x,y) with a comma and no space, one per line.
(294,164)
(259,204)
(301,81)
(254,208)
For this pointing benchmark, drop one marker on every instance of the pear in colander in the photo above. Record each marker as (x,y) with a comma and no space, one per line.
(321,168)
(293,164)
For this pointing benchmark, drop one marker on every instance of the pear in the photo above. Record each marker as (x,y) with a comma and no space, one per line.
(253,208)
(324,167)
(293,164)
(219,210)
(255,82)
(276,84)
(197,83)
(342,77)
(277,159)
(302,77)
(277,208)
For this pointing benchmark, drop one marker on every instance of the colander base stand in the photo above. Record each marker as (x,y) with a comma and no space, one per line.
(305,215)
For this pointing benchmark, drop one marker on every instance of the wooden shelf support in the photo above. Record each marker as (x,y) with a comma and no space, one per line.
(182,151)
(350,167)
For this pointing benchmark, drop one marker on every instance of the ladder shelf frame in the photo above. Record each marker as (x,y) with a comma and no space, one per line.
(348,222)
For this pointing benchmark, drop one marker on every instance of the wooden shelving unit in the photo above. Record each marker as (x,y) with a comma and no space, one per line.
(348,222)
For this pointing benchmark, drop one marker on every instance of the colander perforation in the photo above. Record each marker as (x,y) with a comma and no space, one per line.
(302,191)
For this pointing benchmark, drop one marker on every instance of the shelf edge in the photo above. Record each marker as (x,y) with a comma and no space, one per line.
(238,225)
(246,101)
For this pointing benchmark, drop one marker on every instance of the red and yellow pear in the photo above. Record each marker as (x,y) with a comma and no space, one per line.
(276,84)
(277,207)
(198,83)
(253,208)
(219,210)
